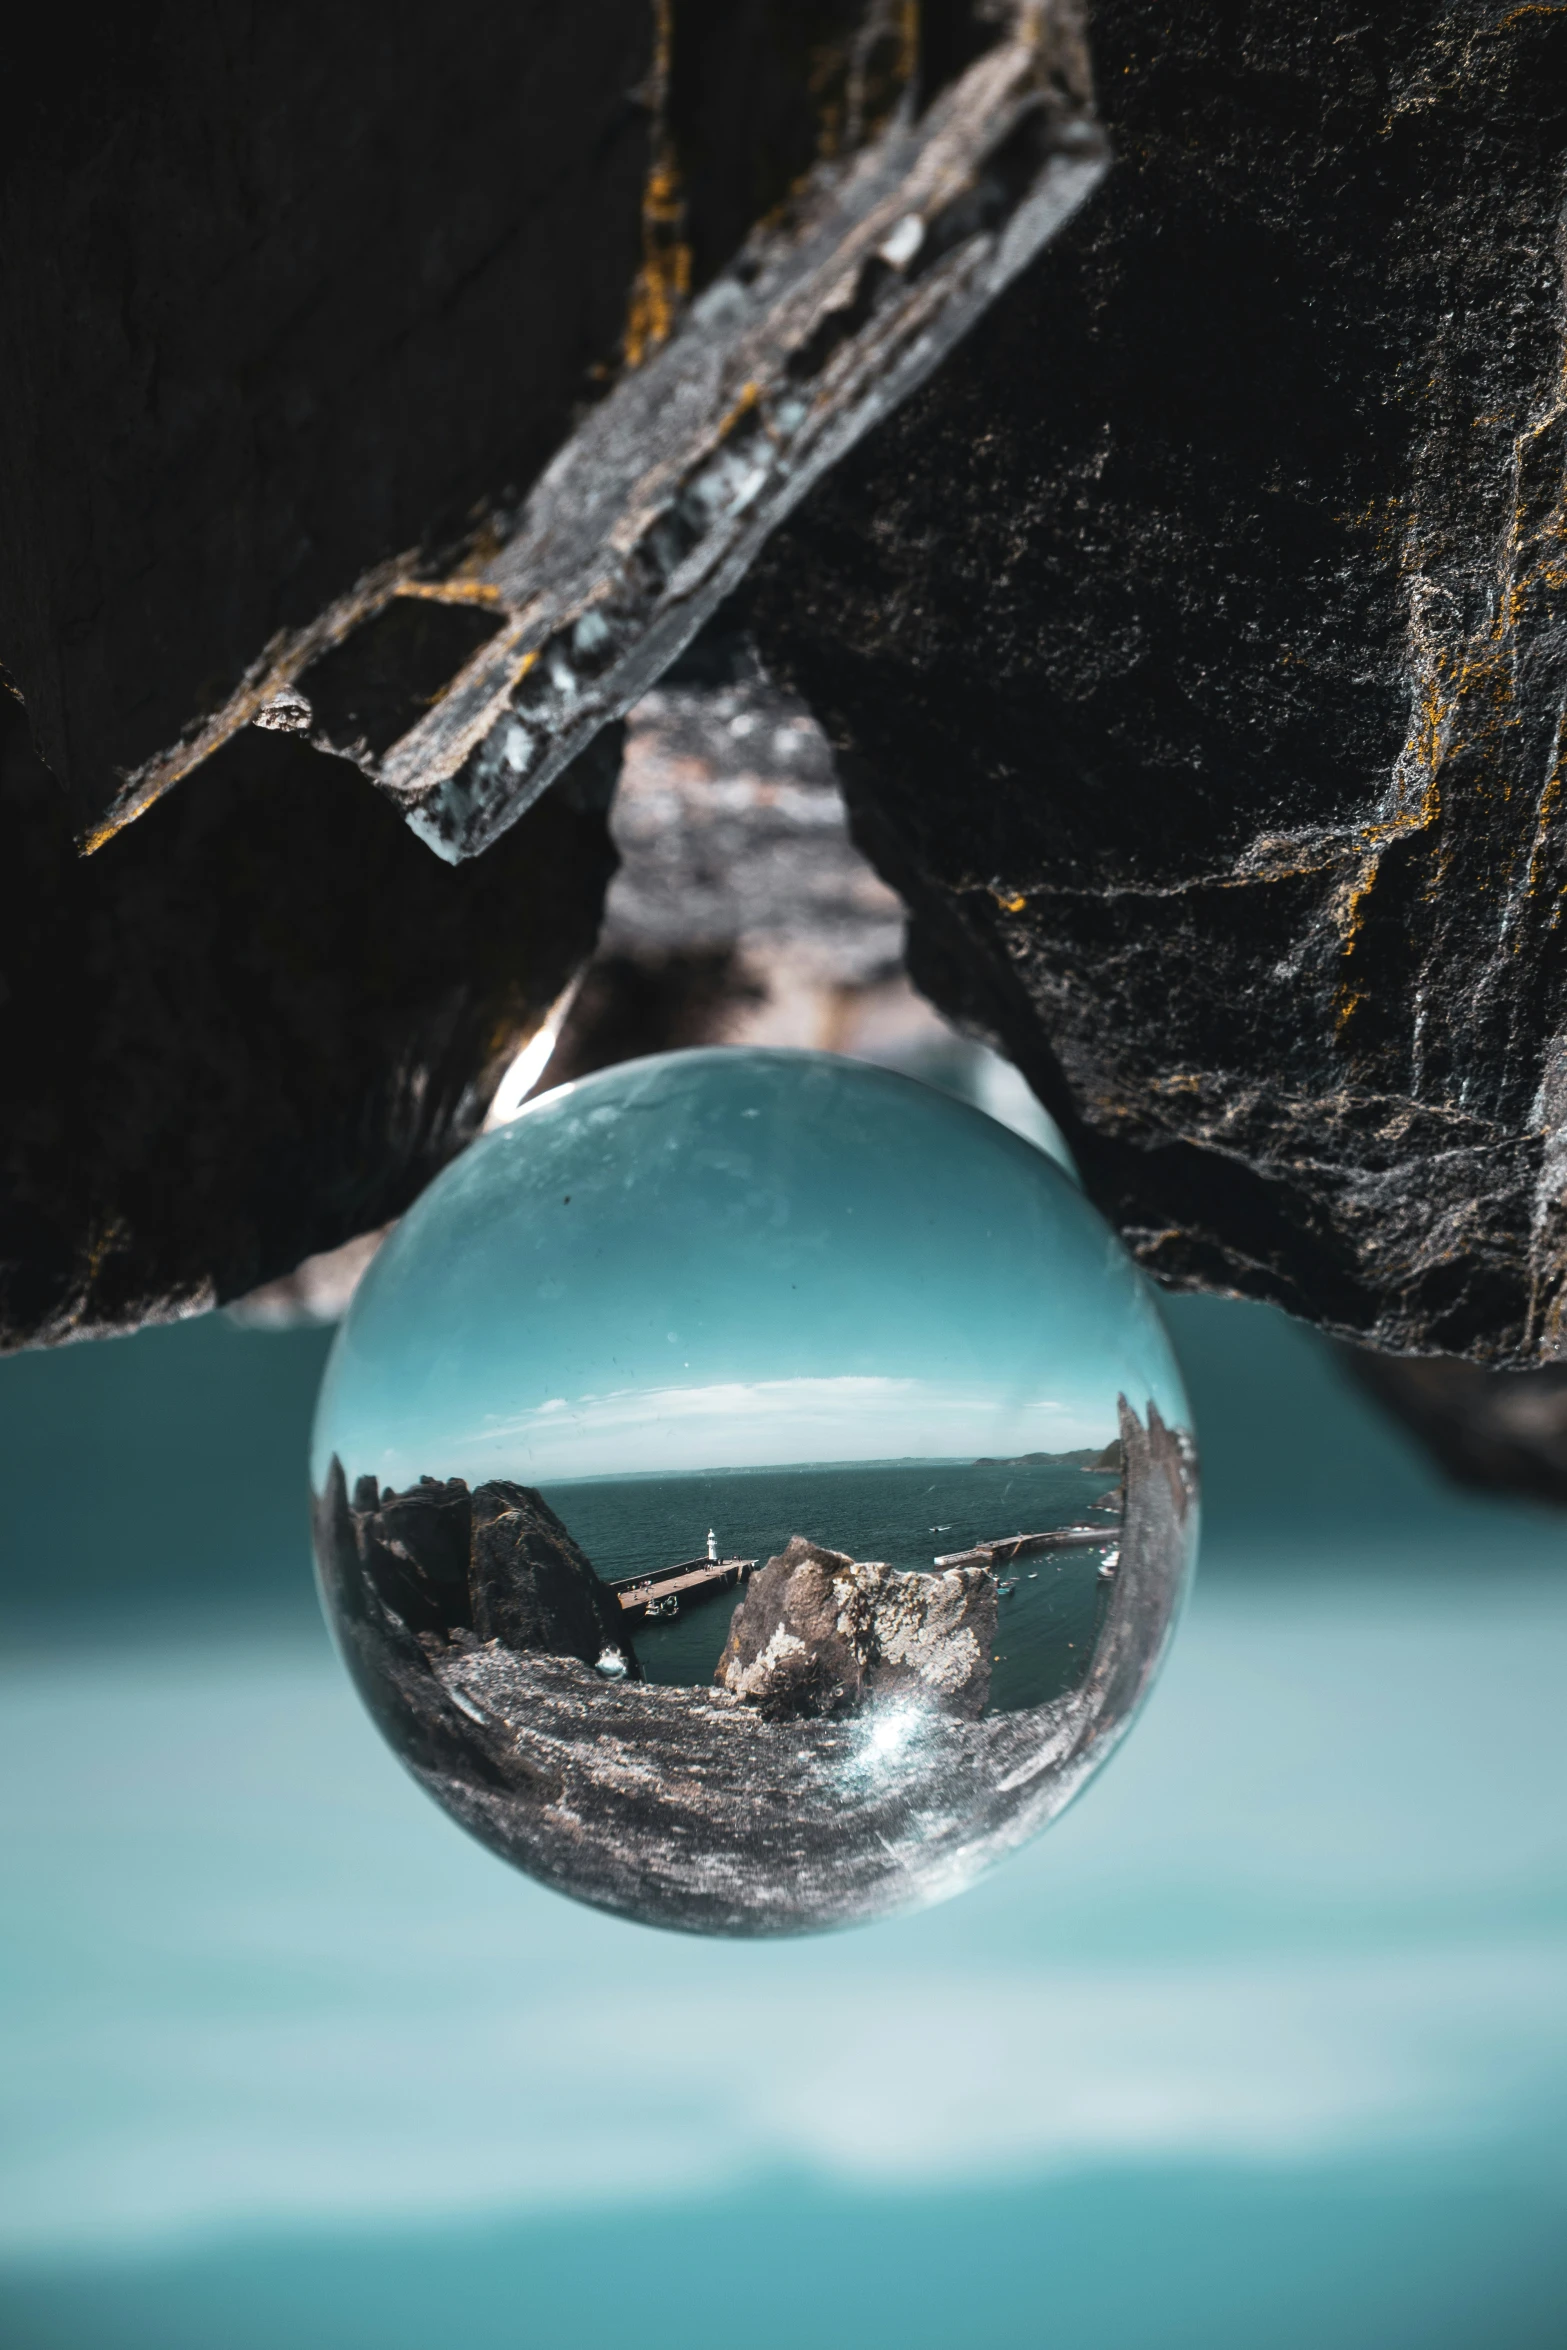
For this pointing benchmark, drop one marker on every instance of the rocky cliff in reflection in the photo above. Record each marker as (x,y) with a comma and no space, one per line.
(797,1794)
(819,1633)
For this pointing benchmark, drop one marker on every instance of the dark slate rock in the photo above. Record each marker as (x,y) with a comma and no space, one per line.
(264,359)
(1195,645)
(251,367)
(415,1547)
(273,970)
(365,306)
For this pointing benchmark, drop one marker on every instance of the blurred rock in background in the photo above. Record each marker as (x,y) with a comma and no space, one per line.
(1505,1431)
(744,913)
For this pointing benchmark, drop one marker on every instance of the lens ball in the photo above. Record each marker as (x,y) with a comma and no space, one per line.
(753,1491)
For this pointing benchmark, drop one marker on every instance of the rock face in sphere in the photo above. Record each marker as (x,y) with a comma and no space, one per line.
(818,1632)
(534,1587)
(415,1547)
(496,1565)
(934,1635)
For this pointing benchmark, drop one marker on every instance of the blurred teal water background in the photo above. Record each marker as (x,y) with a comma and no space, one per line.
(1265,2044)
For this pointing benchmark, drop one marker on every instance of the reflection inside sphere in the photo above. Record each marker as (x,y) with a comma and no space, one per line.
(752,1490)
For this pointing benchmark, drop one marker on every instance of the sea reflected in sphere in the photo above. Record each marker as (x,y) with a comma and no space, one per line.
(753,1491)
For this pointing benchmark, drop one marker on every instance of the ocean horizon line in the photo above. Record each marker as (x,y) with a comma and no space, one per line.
(905,1460)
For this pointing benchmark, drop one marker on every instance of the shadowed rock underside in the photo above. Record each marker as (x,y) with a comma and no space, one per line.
(255,1024)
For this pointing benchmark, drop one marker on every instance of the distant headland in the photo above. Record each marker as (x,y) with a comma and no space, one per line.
(1085,1456)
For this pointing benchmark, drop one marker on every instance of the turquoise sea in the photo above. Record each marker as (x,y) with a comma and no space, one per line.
(1262,2047)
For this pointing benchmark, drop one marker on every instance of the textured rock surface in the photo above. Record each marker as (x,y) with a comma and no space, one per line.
(1195,643)
(390,1667)
(273,453)
(935,1638)
(494,1565)
(253,1025)
(415,1547)
(800,1640)
(262,358)
(688,1808)
(819,1633)
(848,293)
(533,1586)
(261,373)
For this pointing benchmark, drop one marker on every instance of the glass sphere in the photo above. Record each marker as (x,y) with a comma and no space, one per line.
(753,1490)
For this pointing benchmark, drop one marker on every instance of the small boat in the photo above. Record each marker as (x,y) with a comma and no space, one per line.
(1110,1562)
(612,1664)
(659,1611)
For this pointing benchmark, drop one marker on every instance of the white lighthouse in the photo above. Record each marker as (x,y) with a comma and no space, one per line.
(712,1544)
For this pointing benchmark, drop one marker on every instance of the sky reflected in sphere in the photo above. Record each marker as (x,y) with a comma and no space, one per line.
(753,1490)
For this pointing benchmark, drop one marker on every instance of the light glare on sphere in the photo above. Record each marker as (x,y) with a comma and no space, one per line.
(753,1491)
